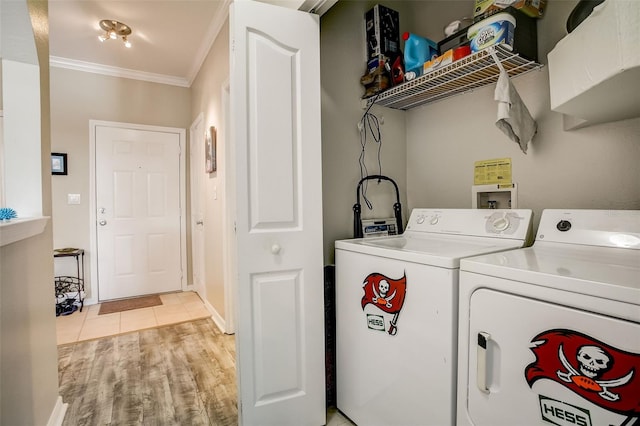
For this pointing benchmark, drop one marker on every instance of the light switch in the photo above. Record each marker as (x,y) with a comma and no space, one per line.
(73,198)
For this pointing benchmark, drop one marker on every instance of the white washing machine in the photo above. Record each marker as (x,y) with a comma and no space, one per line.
(550,334)
(396,313)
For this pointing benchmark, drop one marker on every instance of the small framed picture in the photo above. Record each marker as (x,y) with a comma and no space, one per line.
(210,150)
(58,163)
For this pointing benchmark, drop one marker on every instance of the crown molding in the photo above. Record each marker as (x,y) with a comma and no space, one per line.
(72,64)
(212,33)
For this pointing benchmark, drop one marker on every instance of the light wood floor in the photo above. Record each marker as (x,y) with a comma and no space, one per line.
(180,374)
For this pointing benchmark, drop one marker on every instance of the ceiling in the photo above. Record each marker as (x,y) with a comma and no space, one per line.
(170,38)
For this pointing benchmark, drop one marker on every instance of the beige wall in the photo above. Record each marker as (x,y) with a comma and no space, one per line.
(594,167)
(76,98)
(206,92)
(29,359)
(431,150)
(342,58)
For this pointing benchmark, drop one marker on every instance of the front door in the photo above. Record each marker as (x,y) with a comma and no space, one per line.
(138,229)
(275,124)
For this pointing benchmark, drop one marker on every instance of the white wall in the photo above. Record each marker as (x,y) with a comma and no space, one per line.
(430,150)
(342,58)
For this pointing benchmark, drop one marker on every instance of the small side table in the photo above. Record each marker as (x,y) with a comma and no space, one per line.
(66,286)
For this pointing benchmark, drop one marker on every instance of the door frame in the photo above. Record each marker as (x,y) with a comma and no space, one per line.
(93,221)
(202,291)
(229,214)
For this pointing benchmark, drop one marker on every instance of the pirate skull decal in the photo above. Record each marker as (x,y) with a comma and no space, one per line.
(602,374)
(594,361)
(383,286)
(380,294)
(385,294)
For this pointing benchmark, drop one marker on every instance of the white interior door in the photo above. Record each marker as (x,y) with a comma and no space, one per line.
(138,224)
(275,124)
(197,175)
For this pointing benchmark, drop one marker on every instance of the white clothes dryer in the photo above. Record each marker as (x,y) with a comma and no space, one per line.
(550,334)
(396,313)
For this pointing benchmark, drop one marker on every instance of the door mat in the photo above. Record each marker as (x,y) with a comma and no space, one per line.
(129,304)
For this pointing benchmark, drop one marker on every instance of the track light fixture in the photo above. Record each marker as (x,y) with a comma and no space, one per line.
(114,29)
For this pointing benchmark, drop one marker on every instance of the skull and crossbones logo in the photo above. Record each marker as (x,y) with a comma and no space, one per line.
(381,294)
(593,362)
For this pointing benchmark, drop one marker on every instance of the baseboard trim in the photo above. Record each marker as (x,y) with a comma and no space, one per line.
(57,415)
(215,316)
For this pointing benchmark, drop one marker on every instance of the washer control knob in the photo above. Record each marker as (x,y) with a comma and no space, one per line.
(563,225)
(501,223)
(275,249)
(420,220)
(434,220)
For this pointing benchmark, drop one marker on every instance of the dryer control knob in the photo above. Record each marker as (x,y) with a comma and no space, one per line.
(434,220)
(420,220)
(563,225)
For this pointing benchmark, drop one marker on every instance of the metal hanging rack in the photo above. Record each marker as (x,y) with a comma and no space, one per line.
(476,70)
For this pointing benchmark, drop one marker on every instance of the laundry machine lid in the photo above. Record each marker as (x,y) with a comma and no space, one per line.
(441,237)
(443,251)
(611,273)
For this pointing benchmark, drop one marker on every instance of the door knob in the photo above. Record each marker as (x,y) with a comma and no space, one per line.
(102,222)
(275,249)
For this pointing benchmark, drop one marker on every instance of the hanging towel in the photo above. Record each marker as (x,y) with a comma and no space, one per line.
(514,118)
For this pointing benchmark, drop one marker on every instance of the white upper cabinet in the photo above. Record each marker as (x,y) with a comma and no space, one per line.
(594,72)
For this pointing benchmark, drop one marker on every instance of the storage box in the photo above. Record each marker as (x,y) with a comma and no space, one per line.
(379,227)
(485,8)
(382,26)
(439,62)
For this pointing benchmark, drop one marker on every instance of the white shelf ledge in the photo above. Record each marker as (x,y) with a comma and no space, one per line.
(21,228)
(471,72)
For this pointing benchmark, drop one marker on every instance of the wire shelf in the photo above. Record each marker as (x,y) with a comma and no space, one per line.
(471,72)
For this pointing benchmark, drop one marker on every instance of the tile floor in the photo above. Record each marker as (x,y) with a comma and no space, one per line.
(87,325)
(335,418)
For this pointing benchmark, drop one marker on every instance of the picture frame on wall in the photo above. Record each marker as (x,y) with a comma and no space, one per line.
(58,163)
(210,150)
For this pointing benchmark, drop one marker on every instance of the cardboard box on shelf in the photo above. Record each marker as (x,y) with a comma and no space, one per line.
(439,62)
(485,8)
(382,26)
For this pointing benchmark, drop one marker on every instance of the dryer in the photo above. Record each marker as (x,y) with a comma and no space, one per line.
(550,334)
(396,313)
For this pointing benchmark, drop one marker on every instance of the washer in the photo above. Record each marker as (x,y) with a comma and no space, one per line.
(396,313)
(550,334)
